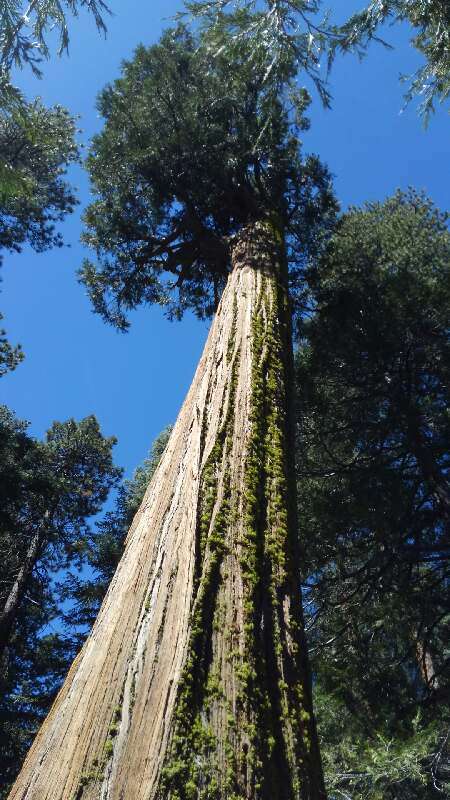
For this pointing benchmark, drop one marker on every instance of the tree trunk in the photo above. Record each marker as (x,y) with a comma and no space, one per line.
(194,683)
(8,614)
(425,661)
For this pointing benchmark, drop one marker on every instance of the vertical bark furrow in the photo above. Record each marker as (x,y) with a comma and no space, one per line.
(193,684)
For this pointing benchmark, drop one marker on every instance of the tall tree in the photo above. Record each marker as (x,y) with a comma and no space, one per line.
(374,441)
(194,682)
(48,492)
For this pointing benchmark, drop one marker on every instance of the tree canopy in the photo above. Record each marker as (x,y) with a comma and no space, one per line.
(37,145)
(373,461)
(36,149)
(190,151)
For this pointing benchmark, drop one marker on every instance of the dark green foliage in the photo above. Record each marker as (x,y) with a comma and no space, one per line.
(374,444)
(48,490)
(36,146)
(10,356)
(191,150)
(409,764)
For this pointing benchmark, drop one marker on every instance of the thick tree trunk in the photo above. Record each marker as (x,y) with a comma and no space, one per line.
(194,684)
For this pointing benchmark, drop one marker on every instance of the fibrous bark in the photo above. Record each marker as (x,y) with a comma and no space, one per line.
(193,684)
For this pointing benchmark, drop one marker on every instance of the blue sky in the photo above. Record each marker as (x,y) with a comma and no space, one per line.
(135,383)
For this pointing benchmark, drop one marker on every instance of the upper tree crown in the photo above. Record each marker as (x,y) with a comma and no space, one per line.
(193,147)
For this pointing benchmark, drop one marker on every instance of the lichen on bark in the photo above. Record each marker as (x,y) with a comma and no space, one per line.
(265,745)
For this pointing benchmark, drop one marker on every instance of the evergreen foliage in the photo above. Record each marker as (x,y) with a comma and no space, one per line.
(374,442)
(286,29)
(192,150)
(306,30)
(48,491)
(430,20)
(36,147)
(36,144)
(10,356)
(25,27)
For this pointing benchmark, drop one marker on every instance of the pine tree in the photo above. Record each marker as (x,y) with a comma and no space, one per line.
(37,145)
(48,494)
(374,440)
(194,682)
(47,491)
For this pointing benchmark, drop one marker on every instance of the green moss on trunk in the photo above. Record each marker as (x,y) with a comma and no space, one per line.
(261,745)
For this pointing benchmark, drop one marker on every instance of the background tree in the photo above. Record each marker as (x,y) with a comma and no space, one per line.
(36,147)
(10,356)
(47,497)
(374,436)
(36,144)
(48,491)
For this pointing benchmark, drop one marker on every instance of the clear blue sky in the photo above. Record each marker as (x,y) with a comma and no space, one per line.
(135,383)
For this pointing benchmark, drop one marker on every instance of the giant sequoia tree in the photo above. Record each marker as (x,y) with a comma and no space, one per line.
(194,682)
